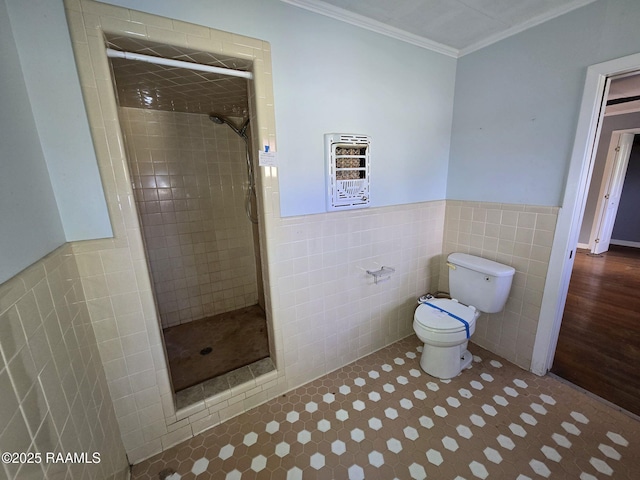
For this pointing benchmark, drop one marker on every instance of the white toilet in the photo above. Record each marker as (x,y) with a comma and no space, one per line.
(445,325)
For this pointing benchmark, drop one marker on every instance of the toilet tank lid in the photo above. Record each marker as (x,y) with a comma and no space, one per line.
(481,265)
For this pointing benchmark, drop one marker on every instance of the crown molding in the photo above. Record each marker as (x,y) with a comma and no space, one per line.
(357,20)
(322,8)
(550,15)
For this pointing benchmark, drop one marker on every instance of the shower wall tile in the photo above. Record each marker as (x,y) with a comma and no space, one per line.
(190,181)
(53,389)
(516,235)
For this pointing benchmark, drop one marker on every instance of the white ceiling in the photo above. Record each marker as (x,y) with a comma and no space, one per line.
(452,27)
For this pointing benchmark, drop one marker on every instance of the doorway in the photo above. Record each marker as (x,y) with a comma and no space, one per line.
(610,192)
(187,135)
(599,341)
(564,252)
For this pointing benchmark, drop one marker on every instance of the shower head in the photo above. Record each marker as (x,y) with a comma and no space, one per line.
(220,120)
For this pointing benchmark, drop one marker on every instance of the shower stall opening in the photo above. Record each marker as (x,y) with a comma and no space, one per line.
(188,137)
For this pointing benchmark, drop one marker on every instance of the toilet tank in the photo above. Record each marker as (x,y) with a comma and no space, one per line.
(476,281)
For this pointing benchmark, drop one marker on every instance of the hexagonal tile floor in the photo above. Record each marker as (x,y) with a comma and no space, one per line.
(381,417)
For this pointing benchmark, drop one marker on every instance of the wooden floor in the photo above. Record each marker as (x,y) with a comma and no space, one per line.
(599,344)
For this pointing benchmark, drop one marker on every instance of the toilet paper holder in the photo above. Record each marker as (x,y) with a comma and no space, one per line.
(383,273)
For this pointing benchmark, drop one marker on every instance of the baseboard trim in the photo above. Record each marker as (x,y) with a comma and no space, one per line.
(625,243)
(594,396)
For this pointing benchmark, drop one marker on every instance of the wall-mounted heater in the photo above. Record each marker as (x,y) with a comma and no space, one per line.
(348,166)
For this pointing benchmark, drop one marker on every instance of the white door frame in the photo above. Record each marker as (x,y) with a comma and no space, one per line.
(618,153)
(572,210)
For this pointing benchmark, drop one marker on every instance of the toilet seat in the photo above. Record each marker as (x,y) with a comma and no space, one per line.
(442,326)
(434,320)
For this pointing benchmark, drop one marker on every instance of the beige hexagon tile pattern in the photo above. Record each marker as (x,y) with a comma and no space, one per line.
(381,417)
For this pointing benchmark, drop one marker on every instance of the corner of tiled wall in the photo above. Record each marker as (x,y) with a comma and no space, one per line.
(516,235)
(53,390)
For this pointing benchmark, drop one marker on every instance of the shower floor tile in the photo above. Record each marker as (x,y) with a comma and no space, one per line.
(381,417)
(207,348)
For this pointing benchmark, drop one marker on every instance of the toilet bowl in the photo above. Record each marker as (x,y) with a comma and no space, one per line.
(445,326)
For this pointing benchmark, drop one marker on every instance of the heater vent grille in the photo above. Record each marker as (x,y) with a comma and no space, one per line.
(348,168)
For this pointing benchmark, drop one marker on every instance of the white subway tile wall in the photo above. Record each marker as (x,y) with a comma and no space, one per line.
(516,235)
(190,183)
(329,309)
(53,391)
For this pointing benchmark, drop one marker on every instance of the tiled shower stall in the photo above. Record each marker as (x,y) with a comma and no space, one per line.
(190,183)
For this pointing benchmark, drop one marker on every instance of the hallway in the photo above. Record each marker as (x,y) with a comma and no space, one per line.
(599,344)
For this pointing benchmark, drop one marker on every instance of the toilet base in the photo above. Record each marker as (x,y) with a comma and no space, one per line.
(465,360)
(445,362)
